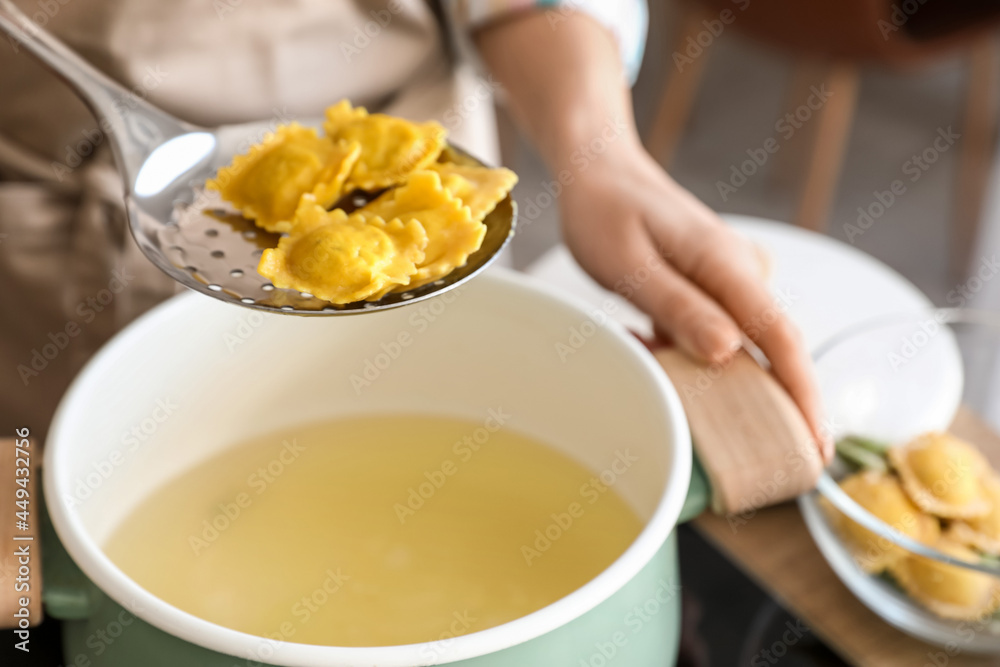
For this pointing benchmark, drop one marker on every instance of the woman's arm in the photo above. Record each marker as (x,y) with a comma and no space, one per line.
(627,222)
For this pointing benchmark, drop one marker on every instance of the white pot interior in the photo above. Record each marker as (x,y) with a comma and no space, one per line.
(196,376)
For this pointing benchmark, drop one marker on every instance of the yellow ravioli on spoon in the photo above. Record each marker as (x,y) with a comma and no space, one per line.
(343,258)
(391,148)
(452,232)
(267,183)
(479,188)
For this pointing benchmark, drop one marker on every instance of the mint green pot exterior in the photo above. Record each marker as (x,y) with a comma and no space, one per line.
(638,626)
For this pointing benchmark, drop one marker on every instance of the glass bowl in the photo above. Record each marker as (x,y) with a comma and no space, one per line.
(889,380)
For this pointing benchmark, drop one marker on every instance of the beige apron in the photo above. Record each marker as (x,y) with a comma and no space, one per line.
(70,275)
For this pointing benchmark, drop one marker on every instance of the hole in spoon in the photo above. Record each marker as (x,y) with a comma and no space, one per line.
(267,287)
(212,232)
(236,273)
(218,253)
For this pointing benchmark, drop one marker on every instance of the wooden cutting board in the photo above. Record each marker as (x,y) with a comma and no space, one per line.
(775,548)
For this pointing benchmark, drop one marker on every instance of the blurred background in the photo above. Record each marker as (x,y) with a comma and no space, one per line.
(905,94)
(902,75)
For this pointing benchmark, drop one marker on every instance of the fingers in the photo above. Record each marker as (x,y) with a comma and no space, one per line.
(763,259)
(702,285)
(791,364)
(736,284)
(728,269)
(679,309)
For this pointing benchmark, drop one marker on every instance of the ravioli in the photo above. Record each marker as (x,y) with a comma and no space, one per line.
(452,232)
(882,495)
(342,258)
(267,183)
(943,475)
(949,591)
(982,533)
(417,230)
(391,148)
(479,188)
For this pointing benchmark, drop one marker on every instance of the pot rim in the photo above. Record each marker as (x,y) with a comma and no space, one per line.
(117,585)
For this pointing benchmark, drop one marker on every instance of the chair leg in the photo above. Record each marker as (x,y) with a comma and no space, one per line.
(679,91)
(832,127)
(785,174)
(975,153)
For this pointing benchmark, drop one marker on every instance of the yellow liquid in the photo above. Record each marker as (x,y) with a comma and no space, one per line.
(375,531)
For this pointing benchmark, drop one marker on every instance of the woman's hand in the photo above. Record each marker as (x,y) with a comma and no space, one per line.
(643,236)
(628,223)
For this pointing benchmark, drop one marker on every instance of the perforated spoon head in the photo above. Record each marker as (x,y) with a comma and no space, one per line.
(190,233)
(208,246)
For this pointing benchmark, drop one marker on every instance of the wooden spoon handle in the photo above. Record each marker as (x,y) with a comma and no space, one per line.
(750,437)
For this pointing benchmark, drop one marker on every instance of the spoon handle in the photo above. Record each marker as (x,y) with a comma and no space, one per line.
(133,126)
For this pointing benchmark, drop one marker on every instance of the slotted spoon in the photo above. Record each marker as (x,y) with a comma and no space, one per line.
(190,233)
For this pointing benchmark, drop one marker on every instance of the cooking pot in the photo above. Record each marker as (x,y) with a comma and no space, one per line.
(194,375)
